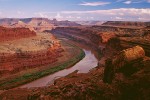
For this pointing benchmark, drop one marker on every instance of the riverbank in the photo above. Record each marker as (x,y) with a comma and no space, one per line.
(83,66)
(75,55)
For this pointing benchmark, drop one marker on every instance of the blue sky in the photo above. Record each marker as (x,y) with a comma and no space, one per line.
(134,10)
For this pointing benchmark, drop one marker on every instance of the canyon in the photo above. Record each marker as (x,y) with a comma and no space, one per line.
(21,48)
(123,72)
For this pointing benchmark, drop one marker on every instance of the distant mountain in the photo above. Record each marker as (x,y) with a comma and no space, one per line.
(18,24)
(126,23)
(90,22)
(64,23)
(8,21)
(36,24)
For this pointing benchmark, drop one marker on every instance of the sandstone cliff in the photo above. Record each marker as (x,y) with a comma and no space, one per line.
(8,34)
(126,24)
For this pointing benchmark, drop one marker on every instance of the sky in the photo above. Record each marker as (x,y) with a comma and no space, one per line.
(77,10)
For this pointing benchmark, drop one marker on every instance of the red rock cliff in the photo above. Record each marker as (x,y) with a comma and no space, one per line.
(7,34)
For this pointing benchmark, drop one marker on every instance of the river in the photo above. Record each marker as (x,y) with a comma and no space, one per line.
(83,66)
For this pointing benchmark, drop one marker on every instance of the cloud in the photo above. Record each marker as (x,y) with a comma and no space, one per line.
(132,1)
(118,18)
(112,11)
(100,3)
(20,13)
(117,14)
(123,14)
(59,17)
(127,2)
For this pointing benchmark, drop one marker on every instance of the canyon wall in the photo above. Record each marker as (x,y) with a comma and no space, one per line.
(126,23)
(11,63)
(82,35)
(107,40)
(21,49)
(8,34)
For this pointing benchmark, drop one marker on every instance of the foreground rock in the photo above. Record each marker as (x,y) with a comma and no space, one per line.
(124,61)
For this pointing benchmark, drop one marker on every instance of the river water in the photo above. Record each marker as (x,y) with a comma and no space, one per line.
(83,66)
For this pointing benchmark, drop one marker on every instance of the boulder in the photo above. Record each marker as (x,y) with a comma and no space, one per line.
(126,62)
(128,56)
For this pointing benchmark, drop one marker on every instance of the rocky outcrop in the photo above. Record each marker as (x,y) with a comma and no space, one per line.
(8,34)
(126,23)
(63,23)
(133,41)
(123,61)
(129,73)
(85,35)
(34,24)
(82,35)
(11,63)
(122,31)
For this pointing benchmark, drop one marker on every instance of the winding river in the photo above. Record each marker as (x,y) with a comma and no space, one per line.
(83,66)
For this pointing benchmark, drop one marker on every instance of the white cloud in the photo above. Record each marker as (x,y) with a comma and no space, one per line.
(20,13)
(100,3)
(121,13)
(127,2)
(78,17)
(118,18)
(132,1)
(69,17)
(40,14)
(125,14)
(59,17)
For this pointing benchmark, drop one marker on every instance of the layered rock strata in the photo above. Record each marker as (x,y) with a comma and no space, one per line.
(21,49)
(8,34)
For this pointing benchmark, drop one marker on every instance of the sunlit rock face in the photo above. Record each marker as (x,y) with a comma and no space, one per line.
(124,62)
(8,34)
